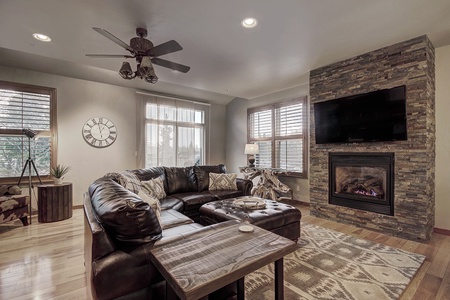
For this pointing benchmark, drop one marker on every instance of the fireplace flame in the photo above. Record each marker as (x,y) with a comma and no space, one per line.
(371,193)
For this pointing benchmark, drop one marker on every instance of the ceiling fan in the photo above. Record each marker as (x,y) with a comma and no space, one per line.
(145,54)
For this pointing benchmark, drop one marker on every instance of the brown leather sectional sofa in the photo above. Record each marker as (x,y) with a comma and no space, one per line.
(121,229)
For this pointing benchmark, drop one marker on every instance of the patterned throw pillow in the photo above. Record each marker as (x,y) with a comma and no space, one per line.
(153,202)
(126,179)
(154,188)
(10,190)
(222,182)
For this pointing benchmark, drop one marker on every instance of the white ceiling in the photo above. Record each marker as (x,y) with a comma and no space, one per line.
(226,60)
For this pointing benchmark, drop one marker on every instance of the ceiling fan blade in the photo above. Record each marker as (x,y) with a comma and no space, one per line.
(110,55)
(114,39)
(171,65)
(165,48)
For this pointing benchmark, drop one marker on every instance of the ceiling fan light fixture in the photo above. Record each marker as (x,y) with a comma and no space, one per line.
(146,67)
(151,79)
(145,54)
(42,37)
(125,71)
(146,62)
(249,22)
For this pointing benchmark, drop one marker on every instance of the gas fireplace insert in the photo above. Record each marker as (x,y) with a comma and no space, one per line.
(362,181)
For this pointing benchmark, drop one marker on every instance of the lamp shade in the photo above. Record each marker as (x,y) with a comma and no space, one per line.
(251,149)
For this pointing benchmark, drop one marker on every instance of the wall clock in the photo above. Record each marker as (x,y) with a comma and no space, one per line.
(99,132)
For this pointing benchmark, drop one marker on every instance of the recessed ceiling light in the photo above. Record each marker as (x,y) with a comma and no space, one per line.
(249,22)
(42,37)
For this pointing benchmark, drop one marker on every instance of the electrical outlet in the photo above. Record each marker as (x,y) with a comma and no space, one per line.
(298,188)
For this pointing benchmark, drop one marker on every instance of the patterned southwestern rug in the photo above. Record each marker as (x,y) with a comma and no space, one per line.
(332,265)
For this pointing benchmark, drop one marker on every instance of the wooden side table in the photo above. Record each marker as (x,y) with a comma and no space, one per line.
(54,202)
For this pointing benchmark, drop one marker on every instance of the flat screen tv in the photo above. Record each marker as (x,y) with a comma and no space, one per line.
(372,117)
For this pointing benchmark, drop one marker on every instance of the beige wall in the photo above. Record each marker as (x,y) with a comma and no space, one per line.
(217,133)
(236,134)
(443,138)
(79,100)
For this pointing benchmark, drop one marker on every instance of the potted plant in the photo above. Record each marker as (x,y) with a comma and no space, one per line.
(58,172)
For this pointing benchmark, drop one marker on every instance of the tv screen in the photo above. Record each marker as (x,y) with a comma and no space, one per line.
(372,117)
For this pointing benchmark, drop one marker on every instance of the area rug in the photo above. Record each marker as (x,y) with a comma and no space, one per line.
(332,265)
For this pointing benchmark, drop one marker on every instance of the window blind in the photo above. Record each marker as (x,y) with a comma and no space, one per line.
(261,124)
(280,132)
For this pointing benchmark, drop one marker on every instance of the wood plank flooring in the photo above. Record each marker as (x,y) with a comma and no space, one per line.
(45,260)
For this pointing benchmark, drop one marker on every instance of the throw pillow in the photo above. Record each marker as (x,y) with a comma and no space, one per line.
(202,174)
(126,179)
(10,190)
(222,182)
(154,188)
(153,202)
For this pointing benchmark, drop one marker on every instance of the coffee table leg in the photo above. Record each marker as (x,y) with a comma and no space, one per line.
(240,289)
(279,280)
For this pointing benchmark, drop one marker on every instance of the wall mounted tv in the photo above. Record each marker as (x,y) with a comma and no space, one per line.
(372,117)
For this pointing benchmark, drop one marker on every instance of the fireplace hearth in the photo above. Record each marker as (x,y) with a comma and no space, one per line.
(362,181)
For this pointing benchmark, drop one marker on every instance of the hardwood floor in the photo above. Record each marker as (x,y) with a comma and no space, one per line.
(45,260)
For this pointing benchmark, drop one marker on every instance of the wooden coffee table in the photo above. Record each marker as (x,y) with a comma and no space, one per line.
(209,260)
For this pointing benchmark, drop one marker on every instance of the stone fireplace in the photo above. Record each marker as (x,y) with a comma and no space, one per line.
(363,181)
(353,195)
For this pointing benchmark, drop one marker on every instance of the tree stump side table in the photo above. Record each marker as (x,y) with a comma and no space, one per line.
(54,202)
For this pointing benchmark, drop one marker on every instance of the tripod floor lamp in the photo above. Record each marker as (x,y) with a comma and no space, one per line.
(30,164)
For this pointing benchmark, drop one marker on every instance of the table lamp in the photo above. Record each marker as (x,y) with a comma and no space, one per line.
(251,149)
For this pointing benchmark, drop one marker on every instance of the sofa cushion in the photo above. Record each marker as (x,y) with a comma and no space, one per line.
(193,201)
(222,182)
(154,188)
(180,180)
(178,233)
(172,203)
(171,218)
(202,175)
(127,218)
(220,195)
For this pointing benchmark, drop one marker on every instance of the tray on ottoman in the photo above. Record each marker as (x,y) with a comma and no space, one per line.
(280,218)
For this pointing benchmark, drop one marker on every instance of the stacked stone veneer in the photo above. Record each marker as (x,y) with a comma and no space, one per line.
(409,63)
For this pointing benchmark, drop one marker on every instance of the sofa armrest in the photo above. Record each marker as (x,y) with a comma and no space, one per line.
(244,185)
(97,242)
(121,273)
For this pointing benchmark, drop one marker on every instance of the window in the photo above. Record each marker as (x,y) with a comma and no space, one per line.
(175,133)
(280,131)
(26,107)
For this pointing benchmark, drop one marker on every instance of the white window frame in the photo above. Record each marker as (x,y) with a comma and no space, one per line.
(273,138)
(177,104)
(51,133)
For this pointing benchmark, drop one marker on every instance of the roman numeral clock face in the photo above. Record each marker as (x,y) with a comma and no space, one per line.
(99,132)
